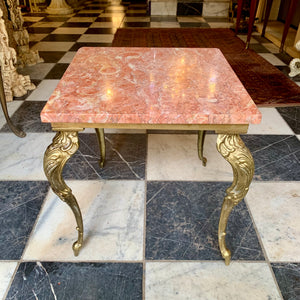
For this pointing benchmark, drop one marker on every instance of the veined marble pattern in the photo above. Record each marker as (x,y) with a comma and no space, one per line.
(11,107)
(275,208)
(175,157)
(50,280)
(6,272)
(271,58)
(22,159)
(113,223)
(197,280)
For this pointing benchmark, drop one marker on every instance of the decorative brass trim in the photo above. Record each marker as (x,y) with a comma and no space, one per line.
(101,142)
(232,148)
(64,145)
(201,138)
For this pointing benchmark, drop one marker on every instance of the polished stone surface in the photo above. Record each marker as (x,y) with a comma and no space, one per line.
(49,280)
(276,157)
(292,116)
(20,203)
(100,82)
(199,280)
(182,223)
(113,223)
(287,275)
(275,208)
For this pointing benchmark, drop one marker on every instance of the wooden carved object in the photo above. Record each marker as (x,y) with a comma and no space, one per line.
(25,55)
(14,83)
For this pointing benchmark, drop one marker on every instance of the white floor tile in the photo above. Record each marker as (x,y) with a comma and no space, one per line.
(44,90)
(11,107)
(69,30)
(175,157)
(96,38)
(220,25)
(137,19)
(275,208)
(113,216)
(7,270)
(52,46)
(272,59)
(271,47)
(36,37)
(32,19)
(67,58)
(244,39)
(271,123)
(47,24)
(22,158)
(298,136)
(209,280)
(164,25)
(191,19)
(113,14)
(82,19)
(38,71)
(106,24)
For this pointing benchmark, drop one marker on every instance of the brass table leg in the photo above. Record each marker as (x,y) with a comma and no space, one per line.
(101,142)
(238,155)
(64,145)
(201,138)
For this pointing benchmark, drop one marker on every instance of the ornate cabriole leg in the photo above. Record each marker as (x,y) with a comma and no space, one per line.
(101,142)
(64,145)
(238,155)
(201,137)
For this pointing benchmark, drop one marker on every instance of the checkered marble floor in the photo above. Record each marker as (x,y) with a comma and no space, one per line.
(151,214)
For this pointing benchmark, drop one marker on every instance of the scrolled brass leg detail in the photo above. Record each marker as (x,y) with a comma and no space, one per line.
(101,142)
(64,145)
(201,138)
(238,155)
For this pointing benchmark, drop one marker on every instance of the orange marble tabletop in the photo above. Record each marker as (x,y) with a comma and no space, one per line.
(150,86)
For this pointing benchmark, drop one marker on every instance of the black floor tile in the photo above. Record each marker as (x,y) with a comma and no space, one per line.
(89,281)
(50,18)
(61,38)
(260,39)
(288,279)
(284,57)
(189,8)
(27,24)
(259,48)
(40,29)
(182,223)
(276,157)
(77,46)
(216,19)
(163,19)
(57,71)
(105,19)
(20,203)
(91,14)
(125,158)
(77,24)
(51,56)
(137,14)
(101,31)
(28,118)
(292,116)
(193,25)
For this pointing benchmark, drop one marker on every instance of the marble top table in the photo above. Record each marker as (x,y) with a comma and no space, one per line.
(151,88)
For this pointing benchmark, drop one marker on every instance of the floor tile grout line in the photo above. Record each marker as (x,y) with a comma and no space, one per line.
(263,248)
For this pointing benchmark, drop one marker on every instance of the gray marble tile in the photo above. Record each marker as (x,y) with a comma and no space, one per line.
(291,116)
(28,118)
(276,157)
(209,281)
(20,203)
(287,276)
(113,217)
(89,281)
(125,158)
(182,223)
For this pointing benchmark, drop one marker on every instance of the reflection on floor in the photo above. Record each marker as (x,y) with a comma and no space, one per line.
(150,215)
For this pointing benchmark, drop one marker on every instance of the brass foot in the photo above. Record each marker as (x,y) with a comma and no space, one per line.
(101,142)
(201,138)
(232,148)
(64,145)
